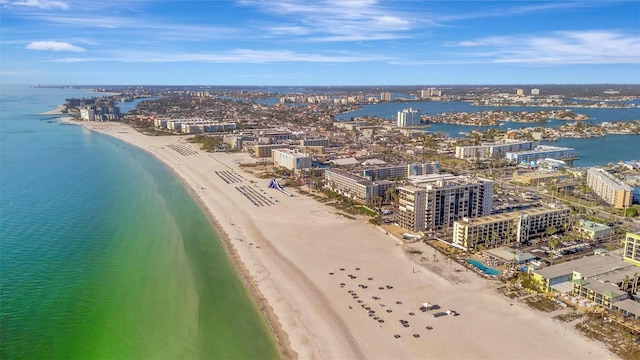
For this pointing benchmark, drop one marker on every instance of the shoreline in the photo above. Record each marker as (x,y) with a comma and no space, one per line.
(56,111)
(262,305)
(295,259)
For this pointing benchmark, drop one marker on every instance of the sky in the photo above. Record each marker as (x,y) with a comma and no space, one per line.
(321,42)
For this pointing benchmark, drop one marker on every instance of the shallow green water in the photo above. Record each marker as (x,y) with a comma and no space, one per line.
(104,255)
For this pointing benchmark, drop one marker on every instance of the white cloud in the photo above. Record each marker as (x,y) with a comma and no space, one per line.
(40,4)
(565,47)
(337,20)
(232,56)
(54,46)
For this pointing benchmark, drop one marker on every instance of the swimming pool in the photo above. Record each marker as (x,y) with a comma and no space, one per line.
(482,267)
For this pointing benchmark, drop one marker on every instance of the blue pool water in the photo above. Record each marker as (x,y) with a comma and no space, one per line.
(485,269)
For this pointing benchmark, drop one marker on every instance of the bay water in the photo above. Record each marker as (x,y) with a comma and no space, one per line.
(104,254)
(592,151)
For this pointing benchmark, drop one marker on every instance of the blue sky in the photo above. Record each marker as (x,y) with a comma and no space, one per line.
(326,42)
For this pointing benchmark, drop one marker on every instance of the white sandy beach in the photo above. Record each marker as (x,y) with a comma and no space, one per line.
(290,246)
(56,111)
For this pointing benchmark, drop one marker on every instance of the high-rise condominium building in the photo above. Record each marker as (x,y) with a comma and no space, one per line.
(408,117)
(434,202)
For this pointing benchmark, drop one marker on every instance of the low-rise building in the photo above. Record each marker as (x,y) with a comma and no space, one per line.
(507,228)
(541,152)
(602,279)
(493,150)
(594,231)
(538,178)
(314,142)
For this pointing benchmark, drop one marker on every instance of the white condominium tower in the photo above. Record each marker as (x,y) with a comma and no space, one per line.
(434,202)
(408,117)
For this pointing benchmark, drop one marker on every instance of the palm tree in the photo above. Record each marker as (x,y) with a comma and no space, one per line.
(388,194)
(494,239)
(625,283)
(635,283)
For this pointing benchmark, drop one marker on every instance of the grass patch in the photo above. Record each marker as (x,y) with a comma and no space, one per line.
(413,251)
(542,303)
(512,292)
(347,216)
(569,317)
(366,211)
(616,337)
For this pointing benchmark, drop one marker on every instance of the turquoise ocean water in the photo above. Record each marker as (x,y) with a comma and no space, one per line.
(103,254)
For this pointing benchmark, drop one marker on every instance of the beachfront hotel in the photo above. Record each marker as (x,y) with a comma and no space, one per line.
(613,191)
(291,160)
(365,185)
(631,248)
(503,229)
(356,187)
(605,279)
(492,150)
(433,202)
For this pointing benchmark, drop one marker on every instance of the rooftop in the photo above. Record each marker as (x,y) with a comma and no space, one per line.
(593,226)
(510,215)
(587,266)
(629,306)
(542,149)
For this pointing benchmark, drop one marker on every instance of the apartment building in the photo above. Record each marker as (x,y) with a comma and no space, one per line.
(502,229)
(408,117)
(314,142)
(541,152)
(430,92)
(613,191)
(290,159)
(497,150)
(501,149)
(447,198)
(472,152)
(400,171)
(274,136)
